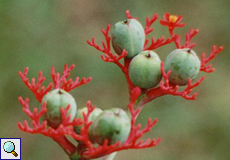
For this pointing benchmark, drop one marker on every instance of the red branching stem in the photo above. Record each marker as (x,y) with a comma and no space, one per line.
(85,128)
(110,57)
(148,28)
(85,145)
(173,90)
(189,37)
(38,90)
(135,132)
(134,113)
(65,144)
(84,142)
(58,82)
(128,15)
(204,61)
(149,22)
(100,151)
(35,115)
(126,72)
(62,82)
(56,76)
(151,94)
(177,40)
(158,43)
(167,88)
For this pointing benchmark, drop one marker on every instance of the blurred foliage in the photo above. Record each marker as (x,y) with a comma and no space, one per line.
(42,33)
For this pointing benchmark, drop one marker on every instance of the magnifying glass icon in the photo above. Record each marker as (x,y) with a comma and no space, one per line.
(9,147)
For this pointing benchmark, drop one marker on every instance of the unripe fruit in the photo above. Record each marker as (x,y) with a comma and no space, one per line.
(129,35)
(112,124)
(184,64)
(54,101)
(145,70)
(92,117)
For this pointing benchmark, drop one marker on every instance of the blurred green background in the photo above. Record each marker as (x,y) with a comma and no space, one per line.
(44,33)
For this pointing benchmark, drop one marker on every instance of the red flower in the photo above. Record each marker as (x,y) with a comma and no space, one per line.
(172,21)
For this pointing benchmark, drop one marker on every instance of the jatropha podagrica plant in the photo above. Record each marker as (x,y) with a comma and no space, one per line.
(102,133)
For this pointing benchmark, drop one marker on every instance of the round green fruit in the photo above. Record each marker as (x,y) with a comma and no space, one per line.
(184,64)
(92,117)
(145,70)
(113,125)
(129,35)
(54,101)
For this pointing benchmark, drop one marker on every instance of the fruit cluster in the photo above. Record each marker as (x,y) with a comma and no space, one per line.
(100,133)
(112,124)
(145,67)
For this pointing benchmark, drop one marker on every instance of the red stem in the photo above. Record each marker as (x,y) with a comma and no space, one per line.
(126,72)
(204,61)
(65,144)
(151,95)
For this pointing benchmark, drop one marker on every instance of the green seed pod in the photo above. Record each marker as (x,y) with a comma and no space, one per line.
(54,101)
(92,117)
(129,35)
(112,124)
(144,70)
(184,64)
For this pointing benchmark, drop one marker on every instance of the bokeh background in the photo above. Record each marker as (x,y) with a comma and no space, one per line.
(44,33)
